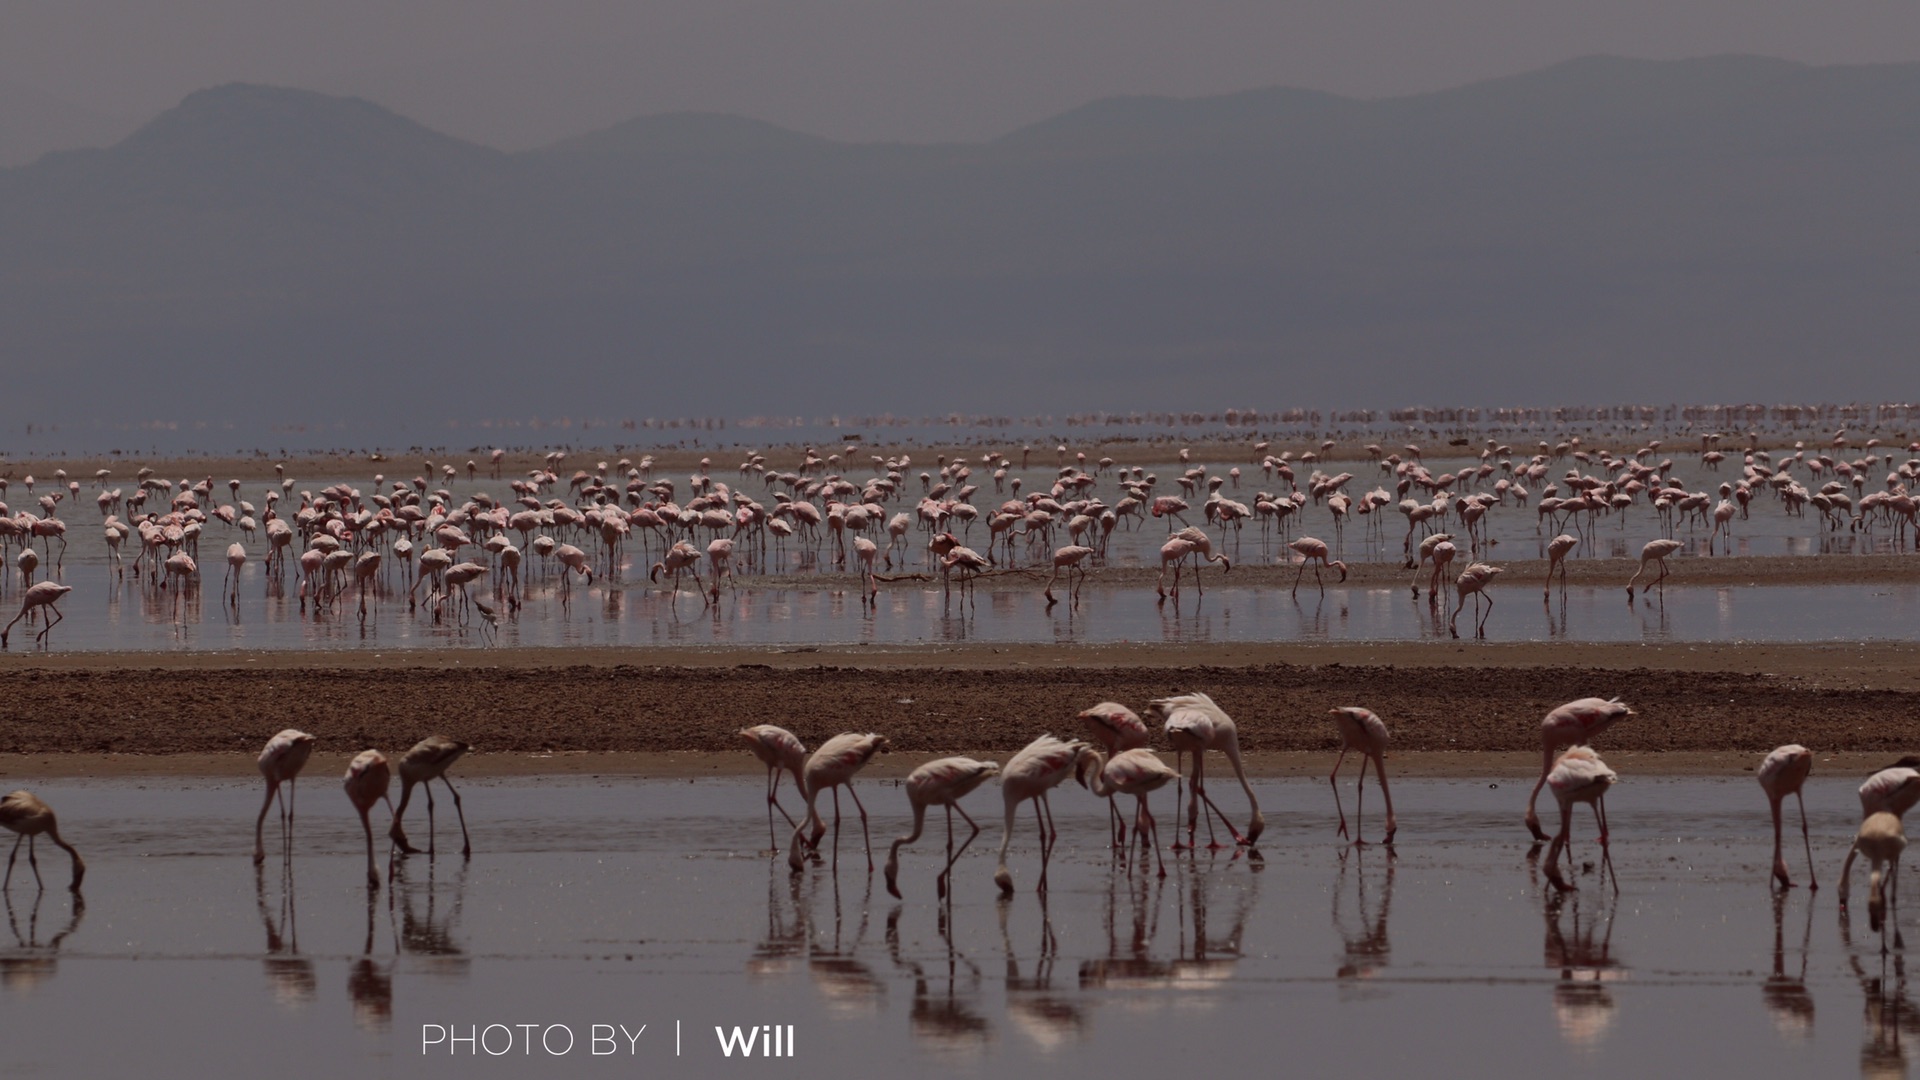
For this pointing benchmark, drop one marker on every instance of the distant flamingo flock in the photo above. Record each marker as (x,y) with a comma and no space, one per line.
(461,559)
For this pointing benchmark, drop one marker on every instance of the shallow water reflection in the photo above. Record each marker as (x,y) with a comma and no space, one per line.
(612,901)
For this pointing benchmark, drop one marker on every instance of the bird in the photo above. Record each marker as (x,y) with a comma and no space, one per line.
(1579,776)
(1893,790)
(236,558)
(1137,773)
(23,813)
(45,594)
(1365,733)
(1038,768)
(834,764)
(943,782)
(1557,549)
(1572,724)
(1311,550)
(779,750)
(1881,839)
(1068,558)
(367,779)
(1118,729)
(1783,773)
(427,761)
(1656,551)
(1194,723)
(285,755)
(1473,582)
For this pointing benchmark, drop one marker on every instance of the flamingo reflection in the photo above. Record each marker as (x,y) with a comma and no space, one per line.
(30,962)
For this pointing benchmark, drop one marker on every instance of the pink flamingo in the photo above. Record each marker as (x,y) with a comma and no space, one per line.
(1194,723)
(43,595)
(682,557)
(285,755)
(1881,839)
(366,784)
(1174,552)
(1427,545)
(780,751)
(1442,556)
(939,783)
(866,552)
(1893,790)
(1473,582)
(1557,549)
(236,558)
(1118,729)
(831,766)
(1037,769)
(1365,733)
(426,762)
(23,814)
(720,558)
(1137,773)
(1579,776)
(1783,773)
(1069,559)
(1573,724)
(1656,551)
(969,562)
(1314,551)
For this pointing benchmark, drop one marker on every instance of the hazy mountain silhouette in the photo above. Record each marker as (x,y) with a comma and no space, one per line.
(33,123)
(1732,228)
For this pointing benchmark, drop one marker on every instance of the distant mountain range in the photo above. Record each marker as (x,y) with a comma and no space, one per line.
(33,123)
(1730,228)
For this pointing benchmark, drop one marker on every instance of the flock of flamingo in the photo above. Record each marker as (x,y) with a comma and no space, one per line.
(343,542)
(1117,760)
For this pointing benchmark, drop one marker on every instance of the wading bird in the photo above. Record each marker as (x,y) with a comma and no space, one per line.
(1133,772)
(366,784)
(1315,552)
(939,783)
(285,755)
(426,762)
(780,751)
(1579,777)
(1783,773)
(1656,551)
(1366,734)
(832,766)
(1038,768)
(23,814)
(1573,724)
(1893,790)
(1194,723)
(45,595)
(1881,839)
(1118,729)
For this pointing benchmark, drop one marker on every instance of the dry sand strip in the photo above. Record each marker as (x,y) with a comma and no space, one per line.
(1441,700)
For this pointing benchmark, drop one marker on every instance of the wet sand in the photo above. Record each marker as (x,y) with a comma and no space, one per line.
(670,712)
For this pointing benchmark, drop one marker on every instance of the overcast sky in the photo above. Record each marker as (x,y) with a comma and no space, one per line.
(516,73)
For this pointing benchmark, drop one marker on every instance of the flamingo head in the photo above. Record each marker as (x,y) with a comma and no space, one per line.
(1226,565)
(654,574)
(1342,567)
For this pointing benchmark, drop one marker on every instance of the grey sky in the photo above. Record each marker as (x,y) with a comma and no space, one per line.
(515,73)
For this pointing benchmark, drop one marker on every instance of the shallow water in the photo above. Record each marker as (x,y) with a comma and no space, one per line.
(105,613)
(619,901)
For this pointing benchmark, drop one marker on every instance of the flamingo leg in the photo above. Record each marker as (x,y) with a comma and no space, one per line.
(1812,881)
(864,834)
(1779,862)
(1333,781)
(1380,770)
(260,824)
(466,846)
(1533,818)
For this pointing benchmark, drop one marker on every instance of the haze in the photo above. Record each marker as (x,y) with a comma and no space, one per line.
(515,74)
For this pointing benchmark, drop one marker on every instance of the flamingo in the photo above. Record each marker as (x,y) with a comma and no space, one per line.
(1572,724)
(1557,549)
(679,558)
(939,783)
(1881,839)
(834,764)
(1138,773)
(1427,545)
(236,558)
(1069,559)
(1656,551)
(1037,769)
(866,551)
(1118,729)
(285,755)
(1195,723)
(23,814)
(427,761)
(779,750)
(1173,553)
(1365,733)
(1783,773)
(1473,582)
(45,595)
(1311,550)
(367,779)
(1892,790)
(1579,776)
